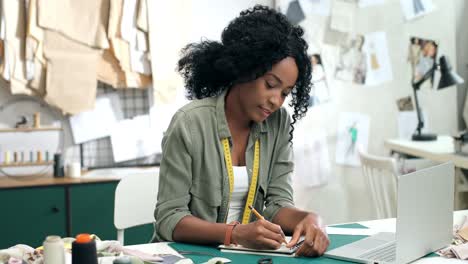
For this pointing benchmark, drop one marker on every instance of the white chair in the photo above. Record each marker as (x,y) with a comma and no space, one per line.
(135,201)
(381,176)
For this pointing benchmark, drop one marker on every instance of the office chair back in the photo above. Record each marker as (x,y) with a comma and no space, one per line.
(381,176)
(135,201)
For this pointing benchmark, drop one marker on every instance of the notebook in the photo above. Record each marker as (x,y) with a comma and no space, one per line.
(282,251)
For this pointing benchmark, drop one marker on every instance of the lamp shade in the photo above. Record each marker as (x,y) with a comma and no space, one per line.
(447,76)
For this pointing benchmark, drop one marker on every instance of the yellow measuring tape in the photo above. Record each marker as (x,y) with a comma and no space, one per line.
(253,182)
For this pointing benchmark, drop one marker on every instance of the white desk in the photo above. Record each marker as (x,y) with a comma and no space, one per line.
(441,150)
(384,225)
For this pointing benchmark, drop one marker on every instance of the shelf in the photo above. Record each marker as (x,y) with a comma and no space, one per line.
(24,164)
(29,129)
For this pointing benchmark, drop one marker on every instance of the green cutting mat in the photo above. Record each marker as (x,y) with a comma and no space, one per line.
(335,241)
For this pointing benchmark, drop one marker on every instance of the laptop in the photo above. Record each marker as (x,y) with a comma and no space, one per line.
(424,221)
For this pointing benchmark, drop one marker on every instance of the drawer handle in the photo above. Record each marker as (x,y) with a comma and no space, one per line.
(55,209)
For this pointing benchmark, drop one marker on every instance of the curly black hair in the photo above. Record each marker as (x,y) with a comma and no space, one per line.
(250,45)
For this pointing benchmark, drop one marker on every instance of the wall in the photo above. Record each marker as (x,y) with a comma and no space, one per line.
(345,197)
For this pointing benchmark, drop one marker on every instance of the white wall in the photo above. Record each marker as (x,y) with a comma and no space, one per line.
(345,198)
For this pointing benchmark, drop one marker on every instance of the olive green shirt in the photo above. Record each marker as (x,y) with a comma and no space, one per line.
(193,177)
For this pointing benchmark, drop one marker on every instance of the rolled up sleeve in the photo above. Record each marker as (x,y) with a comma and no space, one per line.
(175,178)
(280,192)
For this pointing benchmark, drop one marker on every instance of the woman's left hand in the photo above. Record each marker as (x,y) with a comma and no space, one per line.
(316,239)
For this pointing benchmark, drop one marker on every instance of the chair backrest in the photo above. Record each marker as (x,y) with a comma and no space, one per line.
(381,176)
(135,201)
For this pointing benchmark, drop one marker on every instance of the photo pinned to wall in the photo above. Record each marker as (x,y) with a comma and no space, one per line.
(353,132)
(379,68)
(352,63)
(405,104)
(416,8)
(422,55)
(320,92)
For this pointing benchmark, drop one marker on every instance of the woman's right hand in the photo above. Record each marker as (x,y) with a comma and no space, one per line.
(260,234)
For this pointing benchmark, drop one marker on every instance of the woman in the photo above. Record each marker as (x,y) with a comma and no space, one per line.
(238,128)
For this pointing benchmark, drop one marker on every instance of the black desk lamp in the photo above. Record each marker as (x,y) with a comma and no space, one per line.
(447,78)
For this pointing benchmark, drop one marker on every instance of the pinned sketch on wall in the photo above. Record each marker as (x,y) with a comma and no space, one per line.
(366,3)
(353,132)
(320,92)
(316,7)
(352,63)
(416,8)
(343,15)
(378,59)
(311,157)
(421,55)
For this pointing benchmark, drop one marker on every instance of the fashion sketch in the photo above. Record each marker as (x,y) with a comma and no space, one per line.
(352,63)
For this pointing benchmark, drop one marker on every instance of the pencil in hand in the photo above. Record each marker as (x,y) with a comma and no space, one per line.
(259,216)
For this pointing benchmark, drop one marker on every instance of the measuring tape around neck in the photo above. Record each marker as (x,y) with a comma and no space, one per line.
(254,179)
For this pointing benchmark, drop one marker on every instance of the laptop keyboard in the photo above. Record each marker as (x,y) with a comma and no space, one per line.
(386,253)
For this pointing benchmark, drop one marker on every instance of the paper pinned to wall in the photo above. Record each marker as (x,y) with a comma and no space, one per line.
(316,7)
(343,15)
(311,158)
(416,8)
(379,68)
(353,132)
(133,139)
(97,123)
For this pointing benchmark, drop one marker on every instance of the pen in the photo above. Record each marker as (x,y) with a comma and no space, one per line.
(259,216)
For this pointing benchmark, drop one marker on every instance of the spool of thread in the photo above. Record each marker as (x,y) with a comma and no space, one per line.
(54,252)
(7,157)
(84,250)
(31,156)
(74,170)
(15,157)
(37,120)
(58,165)
(47,155)
(39,156)
(22,157)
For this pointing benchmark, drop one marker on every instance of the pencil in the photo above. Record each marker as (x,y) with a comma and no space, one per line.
(259,216)
(256,213)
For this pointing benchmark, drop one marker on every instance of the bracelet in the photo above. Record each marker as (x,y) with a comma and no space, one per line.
(228,235)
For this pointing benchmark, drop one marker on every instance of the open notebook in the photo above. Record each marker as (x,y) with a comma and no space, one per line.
(282,251)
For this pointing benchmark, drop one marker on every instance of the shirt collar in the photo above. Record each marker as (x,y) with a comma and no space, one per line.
(223,128)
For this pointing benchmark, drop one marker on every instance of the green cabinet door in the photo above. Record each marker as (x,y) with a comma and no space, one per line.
(29,215)
(92,211)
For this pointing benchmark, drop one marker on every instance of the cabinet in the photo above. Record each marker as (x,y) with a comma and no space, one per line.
(30,214)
